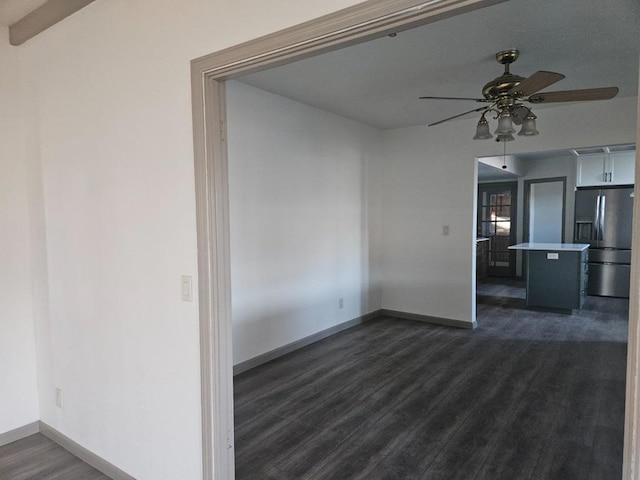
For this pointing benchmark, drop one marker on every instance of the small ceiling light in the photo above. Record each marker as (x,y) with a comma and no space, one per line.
(505,125)
(529,126)
(482,130)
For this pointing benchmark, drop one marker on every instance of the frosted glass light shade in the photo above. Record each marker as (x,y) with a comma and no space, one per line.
(482,130)
(529,126)
(505,125)
(507,137)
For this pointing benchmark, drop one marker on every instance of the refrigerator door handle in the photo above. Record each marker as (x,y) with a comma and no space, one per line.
(596,223)
(601,220)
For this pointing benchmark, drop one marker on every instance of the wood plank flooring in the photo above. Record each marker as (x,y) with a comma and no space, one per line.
(37,457)
(527,395)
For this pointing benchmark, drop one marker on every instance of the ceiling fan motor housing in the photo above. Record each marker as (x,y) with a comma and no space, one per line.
(500,86)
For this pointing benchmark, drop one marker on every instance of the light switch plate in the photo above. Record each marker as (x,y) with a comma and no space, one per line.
(187,288)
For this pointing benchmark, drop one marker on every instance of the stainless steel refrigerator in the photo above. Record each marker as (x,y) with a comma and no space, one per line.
(603,218)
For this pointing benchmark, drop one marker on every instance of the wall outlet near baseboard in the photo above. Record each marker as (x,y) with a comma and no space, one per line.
(341,303)
(59,397)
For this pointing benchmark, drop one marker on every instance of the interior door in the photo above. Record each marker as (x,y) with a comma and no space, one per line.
(497,222)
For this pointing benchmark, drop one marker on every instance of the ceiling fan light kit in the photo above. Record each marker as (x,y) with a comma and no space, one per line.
(506,94)
(482,130)
(529,126)
(505,124)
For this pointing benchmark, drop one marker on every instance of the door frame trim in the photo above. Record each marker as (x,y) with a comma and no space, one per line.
(356,24)
(631,459)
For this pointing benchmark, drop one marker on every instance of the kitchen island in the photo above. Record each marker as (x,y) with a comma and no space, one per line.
(556,274)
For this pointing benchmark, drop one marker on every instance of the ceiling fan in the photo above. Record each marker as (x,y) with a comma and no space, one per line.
(507,95)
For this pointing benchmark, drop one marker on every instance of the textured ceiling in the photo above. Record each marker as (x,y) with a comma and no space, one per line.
(593,43)
(13,10)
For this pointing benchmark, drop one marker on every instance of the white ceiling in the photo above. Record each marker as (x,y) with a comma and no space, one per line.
(13,10)
(488,172)
(595,43)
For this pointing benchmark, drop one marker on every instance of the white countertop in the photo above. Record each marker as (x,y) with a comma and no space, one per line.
(566,247)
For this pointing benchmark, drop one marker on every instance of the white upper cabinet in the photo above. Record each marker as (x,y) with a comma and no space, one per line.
(615,168)
(623,167)
(592,170)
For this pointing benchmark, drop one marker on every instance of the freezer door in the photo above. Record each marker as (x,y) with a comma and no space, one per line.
(609,280)
(616,215)
(587,216)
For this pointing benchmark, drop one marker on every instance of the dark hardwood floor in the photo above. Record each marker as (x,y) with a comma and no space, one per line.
(37,457)
(527,395)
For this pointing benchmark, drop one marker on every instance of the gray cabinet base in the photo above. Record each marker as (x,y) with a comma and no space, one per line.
(556,279)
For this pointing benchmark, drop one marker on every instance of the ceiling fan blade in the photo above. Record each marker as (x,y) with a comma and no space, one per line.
(455,98)
(459,115)
(535,83)
(583,95)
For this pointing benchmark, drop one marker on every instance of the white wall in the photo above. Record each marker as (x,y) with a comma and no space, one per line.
(18,395)
(109,158)
(108,118)
(546,221)
(299,219)
(429,181)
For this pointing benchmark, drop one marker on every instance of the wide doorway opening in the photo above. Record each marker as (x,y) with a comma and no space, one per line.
(442,229)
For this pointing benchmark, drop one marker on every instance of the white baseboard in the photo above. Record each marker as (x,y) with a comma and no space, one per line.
(303,342)
(429,319)
(83,454)
(19,433)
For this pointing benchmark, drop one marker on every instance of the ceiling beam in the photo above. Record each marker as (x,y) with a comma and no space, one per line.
(42,18)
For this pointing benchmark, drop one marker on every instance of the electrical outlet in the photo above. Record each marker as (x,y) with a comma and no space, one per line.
(445,230)
(59,397)
(341,303)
